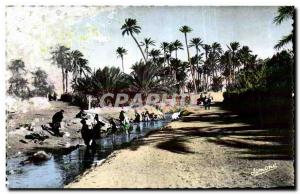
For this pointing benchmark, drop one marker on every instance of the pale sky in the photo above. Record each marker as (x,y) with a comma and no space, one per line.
(32,31)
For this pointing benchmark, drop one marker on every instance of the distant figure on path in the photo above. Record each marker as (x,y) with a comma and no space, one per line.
(56,120)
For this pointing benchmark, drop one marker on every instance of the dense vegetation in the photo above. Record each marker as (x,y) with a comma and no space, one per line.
(19,86)
(247,79)
(266,90)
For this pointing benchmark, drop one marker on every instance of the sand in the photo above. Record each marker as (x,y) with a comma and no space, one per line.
(208,149)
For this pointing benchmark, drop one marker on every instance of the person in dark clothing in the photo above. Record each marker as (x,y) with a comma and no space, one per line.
(54,96)
(97,128)
(208,103)
(81,114)
(49,97)
(85,132)
(122,116)
(137,117)
(56,120)
(143,116)
(113,126)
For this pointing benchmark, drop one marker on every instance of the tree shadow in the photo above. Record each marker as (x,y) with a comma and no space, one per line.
(251,142)
(174,145)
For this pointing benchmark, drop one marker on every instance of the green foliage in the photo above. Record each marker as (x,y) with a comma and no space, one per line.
(40,84)
(145,78)
(108,79)
(265,91)
(17,84)
(217,84)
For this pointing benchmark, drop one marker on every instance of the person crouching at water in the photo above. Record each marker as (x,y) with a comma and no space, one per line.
(113,126)
(56,120)
(122,117)
(137,117)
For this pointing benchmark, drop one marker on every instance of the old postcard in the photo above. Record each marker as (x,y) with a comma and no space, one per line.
(150,97)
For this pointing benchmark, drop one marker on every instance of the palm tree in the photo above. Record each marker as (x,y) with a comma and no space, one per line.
(233,48)
(145,79)
(164,47)
(60,58)
(197,43)
(177,45)
(120,53)
(185,30)
(207,49)
(225,65)
(130,28)
(75,56)
(68,68)
(216,51)
(147,42)
(83,67)
(244,55)
(155,53)
(77,63)
(285,13)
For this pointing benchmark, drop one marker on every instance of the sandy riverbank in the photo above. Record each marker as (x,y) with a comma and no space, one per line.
(209,149)
(17,143)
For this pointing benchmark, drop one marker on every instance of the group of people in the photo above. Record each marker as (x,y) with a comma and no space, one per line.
(90,134)
(205,101)
(144,117)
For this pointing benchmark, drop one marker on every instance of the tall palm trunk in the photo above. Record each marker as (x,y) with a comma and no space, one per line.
(147,53)
(139,47)
(122,63)
(165,57)
(233,66)
(176,54)
(197,63)
(63,78)
(66,81)
(189,60)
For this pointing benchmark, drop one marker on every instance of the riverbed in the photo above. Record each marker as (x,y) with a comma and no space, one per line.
(62,169)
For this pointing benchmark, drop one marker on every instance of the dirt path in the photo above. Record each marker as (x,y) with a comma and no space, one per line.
(208,149)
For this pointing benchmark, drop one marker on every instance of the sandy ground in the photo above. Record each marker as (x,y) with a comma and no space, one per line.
(208,149)
(42,117)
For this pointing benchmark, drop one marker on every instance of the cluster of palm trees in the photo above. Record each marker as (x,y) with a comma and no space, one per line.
(70,61)
(203,71)
(207,66)
(20,86)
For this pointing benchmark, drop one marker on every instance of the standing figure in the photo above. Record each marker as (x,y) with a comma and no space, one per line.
(113,126)
(85,133)
(147,116)
(209,102)
(56,120)
(96,131)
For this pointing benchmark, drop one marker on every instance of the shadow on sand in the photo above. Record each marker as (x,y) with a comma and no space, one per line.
(250,141)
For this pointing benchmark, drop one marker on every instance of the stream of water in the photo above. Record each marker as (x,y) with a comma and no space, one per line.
(62,169)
